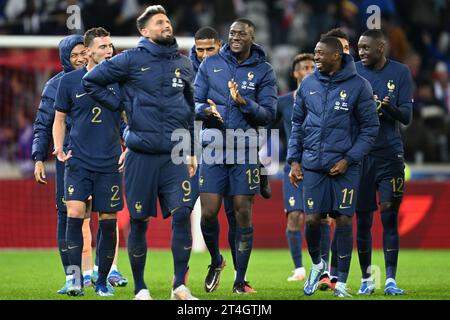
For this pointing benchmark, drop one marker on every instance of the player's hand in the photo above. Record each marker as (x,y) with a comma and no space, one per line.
(39,172)
(340,167)
(296,174)
(386,101)
(212,111)
(121,162)
(234,91)
(61,155)
(192,165)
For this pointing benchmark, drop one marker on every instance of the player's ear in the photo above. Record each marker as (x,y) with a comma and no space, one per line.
(144,32)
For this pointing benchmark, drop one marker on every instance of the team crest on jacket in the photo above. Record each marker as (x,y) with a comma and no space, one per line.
(249,84)
(341,105)
(177,82)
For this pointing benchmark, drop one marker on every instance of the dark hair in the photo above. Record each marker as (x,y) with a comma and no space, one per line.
(338,33)
(206,33)
(93,33)
(376,34)
(334,43)
(142,20)
(247,22)
(302,57)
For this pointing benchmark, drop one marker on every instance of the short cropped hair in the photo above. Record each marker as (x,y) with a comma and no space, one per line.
(334,43)
(142,20)
(93,33)
(302,57)
(206,33)
(376,34)
(338,33)
(247,22)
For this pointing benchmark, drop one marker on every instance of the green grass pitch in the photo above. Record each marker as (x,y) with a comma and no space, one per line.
(37,274)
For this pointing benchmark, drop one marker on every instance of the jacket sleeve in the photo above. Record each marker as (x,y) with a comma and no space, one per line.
(201,87)
(295,144)
(403,111)
(42,128)
(189,97)
(263,111)
(110,71)
(367,117)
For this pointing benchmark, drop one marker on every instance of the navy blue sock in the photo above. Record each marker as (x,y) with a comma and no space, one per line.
(106,248)
(334,257)
(137,252)
(312,236)
(294,239)
(181,244)
(97,241)
(231,217)
(364,241)
(244,245)
(325,242)
(74,239)
(344,238)
(391,241)
(61,227)
(210,231)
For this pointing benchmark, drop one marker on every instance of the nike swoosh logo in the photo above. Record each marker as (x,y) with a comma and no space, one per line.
(390,250)
(217,70)
(80,95)
(145,69)
(114,205)
(343,257)
(187,248)
(138,256)
(313,92)
(108,257)
(341,207)
(253,188)
(63,250)
(70,248)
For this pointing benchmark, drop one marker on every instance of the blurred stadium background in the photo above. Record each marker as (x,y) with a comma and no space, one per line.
(419,32)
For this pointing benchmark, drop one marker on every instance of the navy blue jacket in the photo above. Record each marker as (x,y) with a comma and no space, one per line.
(393,80)
(257,85)
(334,118)
(46,113)
(156,83)
(194,60)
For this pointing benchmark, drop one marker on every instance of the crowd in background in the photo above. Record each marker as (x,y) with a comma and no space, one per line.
(418,32)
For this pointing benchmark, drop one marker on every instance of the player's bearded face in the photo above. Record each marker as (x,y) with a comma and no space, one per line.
(159,30)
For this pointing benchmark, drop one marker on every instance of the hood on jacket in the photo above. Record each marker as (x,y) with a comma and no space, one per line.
(65,47)
(347,71)
(157,50)
(194,59)
(257,55)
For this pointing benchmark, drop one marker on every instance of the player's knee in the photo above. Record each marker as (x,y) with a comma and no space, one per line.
(343,220)
(393,205)
(243,219)
(181,216)
(294,221)
(325,220)
(107,216)
(313,220)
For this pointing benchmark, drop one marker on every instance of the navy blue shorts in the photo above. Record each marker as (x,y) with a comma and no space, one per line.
(293,197)
(229,179)
(59,178)
(149,177)
(382,175)
(323,193)
(105,188)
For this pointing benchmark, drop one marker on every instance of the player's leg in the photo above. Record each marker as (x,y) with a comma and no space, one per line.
(61,224)
(231,218)
(345,193)
(365,207)
(333,262)
(115,278)
(316,199)
(391,189)
(325,244)
(141,194)
(86,257)
(213,179)
(243,182)
(78,187)
(175,197)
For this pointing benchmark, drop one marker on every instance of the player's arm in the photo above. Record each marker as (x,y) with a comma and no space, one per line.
(42,134)
(263,111)
(203,109)
(295,144)
(189,97)
(366,114)
(403,111)
(59,131)
(110,71)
